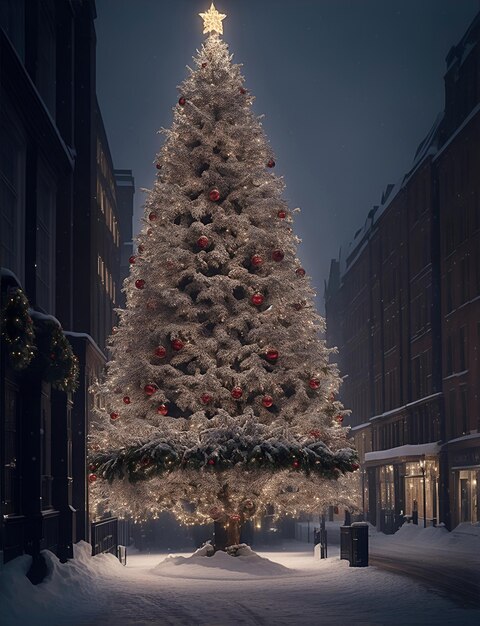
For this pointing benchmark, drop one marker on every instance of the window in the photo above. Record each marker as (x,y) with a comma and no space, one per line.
(462,226)
(462,348)
(450,299)
(12,168)
(463,409)
(452,412)
(449,355)
(45,241)
(449,234)
(464,280)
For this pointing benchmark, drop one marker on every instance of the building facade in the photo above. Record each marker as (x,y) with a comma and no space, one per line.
(401,307)
(54,229)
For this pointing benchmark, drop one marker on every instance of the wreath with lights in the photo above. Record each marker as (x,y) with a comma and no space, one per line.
(17,329)
(55,360)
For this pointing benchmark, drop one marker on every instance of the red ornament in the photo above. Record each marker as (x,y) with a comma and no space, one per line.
(278,255)
(214,194)
(331,397)
(300,272)
(131,259)
(355,466)
(92,467)
(339,418)
(126,400)
(158,166)
(202,242)
(235,517)
(162,409)
(315,434)
(249,504)
(114,416)
(182,101)
(153,216)
(282,214)
(149,389)
(242,90)
(256,260)
(271,355)
(140,283)
(237,393)
(204,65)
(314,383)
(206,398)
(161,352)
(211,461)
(270,163)
(296,463)
(267,401)
(92,478)
(177,344)
(141,248)
(257,299)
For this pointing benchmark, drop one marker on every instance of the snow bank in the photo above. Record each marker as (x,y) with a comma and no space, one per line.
(465,538)
(50,603)
(221,566)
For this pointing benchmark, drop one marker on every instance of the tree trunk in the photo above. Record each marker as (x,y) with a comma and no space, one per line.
(233,530)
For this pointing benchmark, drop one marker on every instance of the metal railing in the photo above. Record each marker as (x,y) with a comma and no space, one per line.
(105,536)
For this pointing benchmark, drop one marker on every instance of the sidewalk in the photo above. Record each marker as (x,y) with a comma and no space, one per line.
(448,562)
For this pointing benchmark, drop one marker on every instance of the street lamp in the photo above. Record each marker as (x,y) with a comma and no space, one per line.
(422,467)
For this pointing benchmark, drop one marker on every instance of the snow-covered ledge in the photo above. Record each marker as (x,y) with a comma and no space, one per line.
(423,449)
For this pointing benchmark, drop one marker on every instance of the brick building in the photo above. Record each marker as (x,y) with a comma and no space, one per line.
(400,306)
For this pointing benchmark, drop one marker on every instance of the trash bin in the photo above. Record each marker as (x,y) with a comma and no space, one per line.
(359,543)
(346,542)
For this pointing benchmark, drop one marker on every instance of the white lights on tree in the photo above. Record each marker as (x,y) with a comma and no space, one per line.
(219,399)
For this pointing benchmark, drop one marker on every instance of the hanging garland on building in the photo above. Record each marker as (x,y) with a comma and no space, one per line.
(17,329)
(56,361)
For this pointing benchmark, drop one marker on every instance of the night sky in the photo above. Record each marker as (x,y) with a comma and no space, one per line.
(349,88)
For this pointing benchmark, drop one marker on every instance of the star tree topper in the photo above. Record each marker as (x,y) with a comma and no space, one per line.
(212,21)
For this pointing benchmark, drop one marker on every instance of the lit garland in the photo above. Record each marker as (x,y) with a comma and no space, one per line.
(17,330)
(55,360)
(160,457)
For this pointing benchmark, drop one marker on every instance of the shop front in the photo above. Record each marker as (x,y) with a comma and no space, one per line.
(403,486)
(464,463)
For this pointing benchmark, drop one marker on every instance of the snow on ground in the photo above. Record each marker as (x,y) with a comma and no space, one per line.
(99,591)
(244,567)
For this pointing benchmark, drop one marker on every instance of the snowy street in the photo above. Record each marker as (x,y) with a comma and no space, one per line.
(227,590)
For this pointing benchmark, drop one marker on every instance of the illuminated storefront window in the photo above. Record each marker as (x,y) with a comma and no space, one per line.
(468,495)
(416,474)
(387,487)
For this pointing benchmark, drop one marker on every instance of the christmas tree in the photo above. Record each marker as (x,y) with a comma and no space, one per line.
(219,399)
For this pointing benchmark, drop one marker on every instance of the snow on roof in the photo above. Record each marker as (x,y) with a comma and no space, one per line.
(423,449)
(6,273)
(464,438)
(87,337)
(360,427)
(43,317)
